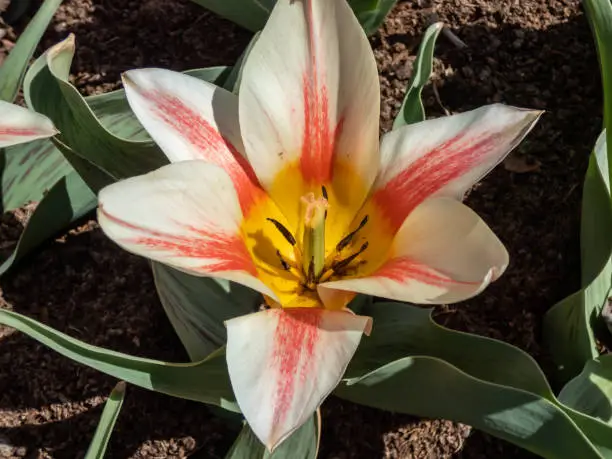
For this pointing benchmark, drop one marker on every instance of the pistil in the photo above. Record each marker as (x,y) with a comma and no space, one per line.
(313,238)
(308,264)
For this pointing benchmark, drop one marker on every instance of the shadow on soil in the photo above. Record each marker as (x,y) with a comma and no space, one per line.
(153,424)
(90,289)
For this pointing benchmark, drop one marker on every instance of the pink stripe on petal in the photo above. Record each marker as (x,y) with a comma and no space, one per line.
(214,148)
(430,173)
(283,363)
(294,348)
(16,132)
(317,148)
(404,269)
(228,250)
(19,125)
(318,143)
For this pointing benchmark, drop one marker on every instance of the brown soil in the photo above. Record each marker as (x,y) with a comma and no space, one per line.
(532,53)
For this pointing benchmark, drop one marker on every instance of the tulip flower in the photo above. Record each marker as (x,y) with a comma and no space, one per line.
(287,190)
(20,125)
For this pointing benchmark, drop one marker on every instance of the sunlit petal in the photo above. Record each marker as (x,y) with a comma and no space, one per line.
(284,362)
(309,104)
(192,119)
(445,156)
(19,125)
(443,253)
(185,215)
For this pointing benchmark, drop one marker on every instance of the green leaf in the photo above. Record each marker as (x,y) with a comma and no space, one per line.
(591,391)
(253,14)
(216,75)
(38,171)
(68,200)
(198,306)
(401,330)
(372,14)
(100,136)
(235,77)
(412,110)
(596,218)
(568,326)
(47,90)
(596,431)
(246,446)
(250,14)
(28,171)
(599,14)
(114,117)
(16,10)
(428,387)
(302,444)
(431,387)
(364,5)
(114,113)
(206,381)
(14,67)
(33,171)
(486,383)
(112,408)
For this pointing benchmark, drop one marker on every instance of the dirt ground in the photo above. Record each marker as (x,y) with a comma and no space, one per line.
(531,53)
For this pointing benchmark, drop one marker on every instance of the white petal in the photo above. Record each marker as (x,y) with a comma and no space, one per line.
(191,119)
(309,97)
(445,156)
(443,253)
(19,125)
(185,215)
(284,362)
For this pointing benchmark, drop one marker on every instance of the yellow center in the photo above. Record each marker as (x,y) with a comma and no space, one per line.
(322,234)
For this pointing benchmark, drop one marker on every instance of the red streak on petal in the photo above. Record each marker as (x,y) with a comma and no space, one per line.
(404,269)
(293,356)
(318,143)
(210,144)
(430,173)
(17,132)
(227,250)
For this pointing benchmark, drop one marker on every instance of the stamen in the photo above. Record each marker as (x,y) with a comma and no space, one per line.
(325,276)
(346,240)
(284,231)
(289,266)
(324,193)
(340,265)
(285,265)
